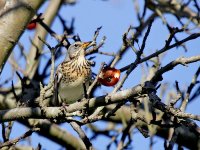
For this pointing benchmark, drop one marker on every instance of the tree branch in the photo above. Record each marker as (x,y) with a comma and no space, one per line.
(11,29)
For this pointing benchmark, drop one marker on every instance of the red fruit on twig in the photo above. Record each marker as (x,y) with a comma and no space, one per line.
(109,76)
(32,25)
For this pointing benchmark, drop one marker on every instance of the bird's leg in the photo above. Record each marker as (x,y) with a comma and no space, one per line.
(64,105)
(63,108)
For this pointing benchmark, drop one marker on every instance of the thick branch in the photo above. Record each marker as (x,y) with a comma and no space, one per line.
(55,112)
(48,16)
(12,28)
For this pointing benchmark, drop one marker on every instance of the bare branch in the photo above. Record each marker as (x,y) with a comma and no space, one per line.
(183,61)
(82,135)
(25,135)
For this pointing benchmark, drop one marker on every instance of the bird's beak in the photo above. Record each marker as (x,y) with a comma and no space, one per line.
(86,45)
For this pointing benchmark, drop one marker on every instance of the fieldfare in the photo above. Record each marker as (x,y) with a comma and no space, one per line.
(73,75)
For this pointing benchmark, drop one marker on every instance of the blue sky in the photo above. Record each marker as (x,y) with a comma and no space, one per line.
(115,16)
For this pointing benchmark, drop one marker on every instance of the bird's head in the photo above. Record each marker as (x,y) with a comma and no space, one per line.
(78,49)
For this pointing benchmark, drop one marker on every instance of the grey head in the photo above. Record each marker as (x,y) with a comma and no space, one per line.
(77,49)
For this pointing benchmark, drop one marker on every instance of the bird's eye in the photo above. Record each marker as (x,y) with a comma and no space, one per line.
(75,45)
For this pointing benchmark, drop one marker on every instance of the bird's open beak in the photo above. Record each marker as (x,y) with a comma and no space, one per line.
(86,45)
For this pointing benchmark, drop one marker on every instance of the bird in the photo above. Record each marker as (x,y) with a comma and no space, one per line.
(73,75)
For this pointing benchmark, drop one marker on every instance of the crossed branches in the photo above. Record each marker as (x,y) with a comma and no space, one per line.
(142,97)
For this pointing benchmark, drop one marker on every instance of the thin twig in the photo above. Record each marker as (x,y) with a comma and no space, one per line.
(164,49)
(95,81)
(14,141)
(82,135)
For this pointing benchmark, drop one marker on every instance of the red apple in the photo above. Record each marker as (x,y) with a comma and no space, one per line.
(109,76)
